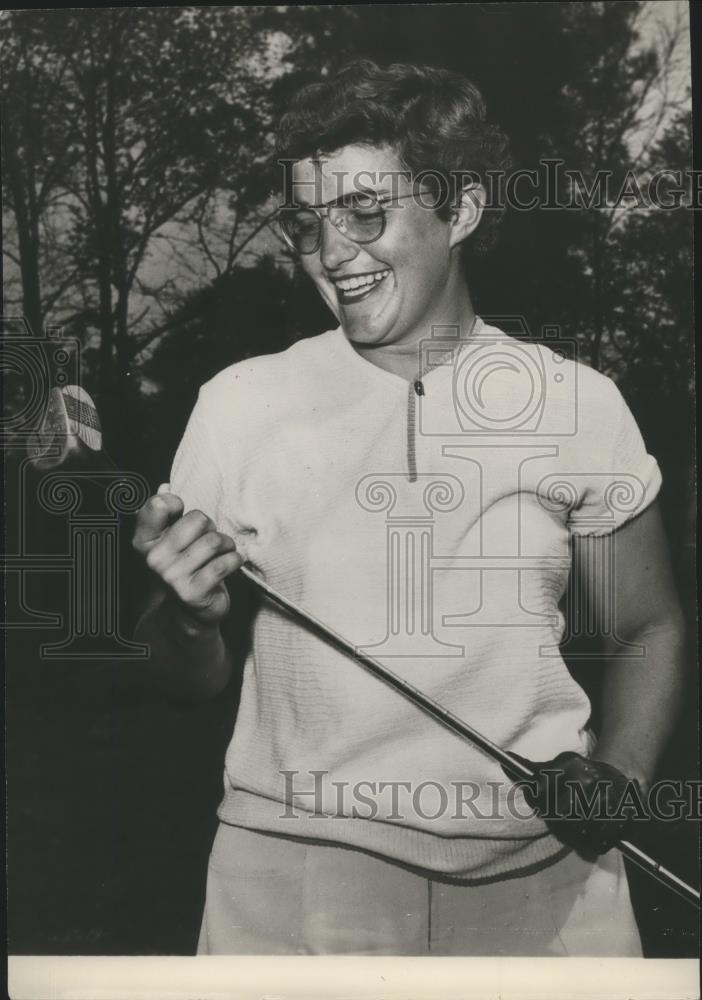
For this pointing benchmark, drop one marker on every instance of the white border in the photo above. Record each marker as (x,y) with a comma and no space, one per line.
(338,978)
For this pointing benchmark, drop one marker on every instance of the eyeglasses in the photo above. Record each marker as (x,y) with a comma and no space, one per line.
(361,218)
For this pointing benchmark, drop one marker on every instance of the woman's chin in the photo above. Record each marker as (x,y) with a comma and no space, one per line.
(367,327)
(365,334)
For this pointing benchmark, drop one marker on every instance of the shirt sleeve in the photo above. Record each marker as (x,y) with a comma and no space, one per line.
(620,479)
(196,475)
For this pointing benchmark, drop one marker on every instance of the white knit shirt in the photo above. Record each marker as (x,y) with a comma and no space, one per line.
(430,524)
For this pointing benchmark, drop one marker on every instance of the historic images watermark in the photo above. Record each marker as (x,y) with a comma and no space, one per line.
(305,794)
(551,186)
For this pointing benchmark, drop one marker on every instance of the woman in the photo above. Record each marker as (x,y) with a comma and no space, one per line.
(402,479)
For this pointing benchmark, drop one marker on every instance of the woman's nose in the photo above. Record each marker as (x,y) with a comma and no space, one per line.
(336,248)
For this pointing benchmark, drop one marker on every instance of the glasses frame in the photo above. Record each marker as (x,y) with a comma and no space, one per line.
(328,209)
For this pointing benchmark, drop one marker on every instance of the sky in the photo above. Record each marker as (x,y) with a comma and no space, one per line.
(657,18)
(191,268)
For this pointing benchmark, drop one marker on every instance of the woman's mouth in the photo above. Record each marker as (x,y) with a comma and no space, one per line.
(359,286)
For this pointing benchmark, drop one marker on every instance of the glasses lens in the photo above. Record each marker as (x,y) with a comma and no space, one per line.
(363,218)
(301,227)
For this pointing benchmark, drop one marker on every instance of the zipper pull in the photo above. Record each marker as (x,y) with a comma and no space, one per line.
(419,387)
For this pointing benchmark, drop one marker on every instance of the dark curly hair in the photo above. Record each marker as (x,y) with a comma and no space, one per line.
(434,118)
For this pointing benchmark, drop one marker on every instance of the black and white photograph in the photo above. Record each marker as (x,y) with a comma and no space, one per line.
(349,490)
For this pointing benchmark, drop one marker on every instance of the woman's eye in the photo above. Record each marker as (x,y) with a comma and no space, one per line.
(360,200)
(365,207)
(365,203)
(305,224)
(365,216)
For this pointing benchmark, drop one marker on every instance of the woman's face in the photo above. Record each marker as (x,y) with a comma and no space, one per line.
(413,267)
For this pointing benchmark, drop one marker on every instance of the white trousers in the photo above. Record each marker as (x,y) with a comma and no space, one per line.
(268,895)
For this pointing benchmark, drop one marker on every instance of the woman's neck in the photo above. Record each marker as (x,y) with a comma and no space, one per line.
(405,357)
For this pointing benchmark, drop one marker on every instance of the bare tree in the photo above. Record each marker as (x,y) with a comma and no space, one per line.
(118,123)
(621,100)
(38,148)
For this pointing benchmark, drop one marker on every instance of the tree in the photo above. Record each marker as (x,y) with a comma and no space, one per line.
(147,135)
(38,153)
(619,102)
(652,341)
(138,163)
(131,117)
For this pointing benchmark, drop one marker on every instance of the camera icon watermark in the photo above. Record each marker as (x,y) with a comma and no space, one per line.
(502,383)
(496,413)
(85,507)
(31,365)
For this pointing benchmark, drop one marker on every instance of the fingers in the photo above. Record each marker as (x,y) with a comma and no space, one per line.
(154,517)
(160,522)
(189,552)
(184,533)
(207,579)
(196,575)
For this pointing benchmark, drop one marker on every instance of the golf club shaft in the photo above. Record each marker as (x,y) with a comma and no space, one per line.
(515,769)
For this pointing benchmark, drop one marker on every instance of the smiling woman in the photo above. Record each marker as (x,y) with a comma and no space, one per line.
(417,252)
(434,120)
(415,141)
(359,215)
(422,482)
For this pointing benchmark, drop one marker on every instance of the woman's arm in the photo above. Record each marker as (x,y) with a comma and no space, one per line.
(641,695)
(190,561)
(186,659)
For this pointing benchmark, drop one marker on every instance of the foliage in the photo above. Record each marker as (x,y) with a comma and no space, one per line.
(137,167)
(117,123)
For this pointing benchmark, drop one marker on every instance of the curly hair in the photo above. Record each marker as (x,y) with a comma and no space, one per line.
(432,117)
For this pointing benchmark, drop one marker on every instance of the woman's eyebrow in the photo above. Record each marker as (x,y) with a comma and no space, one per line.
(343,199)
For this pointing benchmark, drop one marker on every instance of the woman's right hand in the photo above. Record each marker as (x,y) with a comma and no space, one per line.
(188,555)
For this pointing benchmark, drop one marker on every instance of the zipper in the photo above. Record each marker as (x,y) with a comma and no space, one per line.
(429,905)
(415,389)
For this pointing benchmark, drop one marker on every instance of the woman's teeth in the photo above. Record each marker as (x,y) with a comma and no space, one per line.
(358,286)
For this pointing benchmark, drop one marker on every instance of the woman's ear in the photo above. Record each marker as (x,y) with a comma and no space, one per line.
(467,213)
